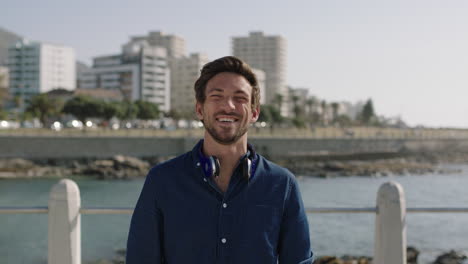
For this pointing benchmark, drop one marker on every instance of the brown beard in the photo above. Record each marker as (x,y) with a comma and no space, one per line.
(226,141)
(230,140)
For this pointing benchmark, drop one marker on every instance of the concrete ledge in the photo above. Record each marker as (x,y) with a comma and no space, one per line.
(105,147)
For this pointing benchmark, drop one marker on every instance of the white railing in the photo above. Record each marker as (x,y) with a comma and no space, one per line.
(64,214)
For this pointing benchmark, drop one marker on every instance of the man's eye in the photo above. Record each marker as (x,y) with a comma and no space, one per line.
(241,99)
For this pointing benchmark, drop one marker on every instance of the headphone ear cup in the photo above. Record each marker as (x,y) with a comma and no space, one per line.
(216,167)
(247,168)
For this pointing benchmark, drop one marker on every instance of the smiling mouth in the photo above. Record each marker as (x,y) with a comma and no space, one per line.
(226,119)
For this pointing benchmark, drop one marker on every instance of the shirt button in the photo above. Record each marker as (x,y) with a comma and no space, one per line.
(223,240)
(224,205)
(205,180)
(198,164)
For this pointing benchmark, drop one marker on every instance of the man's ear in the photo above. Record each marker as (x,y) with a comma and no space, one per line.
(255,114)
(199,110)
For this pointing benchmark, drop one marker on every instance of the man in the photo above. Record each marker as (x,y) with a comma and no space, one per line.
(221,202)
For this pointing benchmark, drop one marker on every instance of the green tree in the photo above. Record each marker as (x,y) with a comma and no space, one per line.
(298,122)
(298,110)
(42,107)
(128,110)
(147,110)
(83,107)
(343,120)
(271,115)
(311,102)
(3,114)
(324,107)
(335,107)
(367,115)
(108,110)
(265,114)
(278,101)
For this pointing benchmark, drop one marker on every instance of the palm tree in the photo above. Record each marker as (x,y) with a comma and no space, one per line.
(324,105)
(296,108)
(335,106)
(311,102)
(278,100)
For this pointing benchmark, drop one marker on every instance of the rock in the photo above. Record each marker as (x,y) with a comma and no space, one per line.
(125,161)
(346,259)
(119,167)
(16,164)
(121,252)
(328,260)
(104,163)
(334,166)
(451,257)
(412,255)
(101,261)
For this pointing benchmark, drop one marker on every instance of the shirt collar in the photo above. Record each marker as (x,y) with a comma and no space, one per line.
(197,154)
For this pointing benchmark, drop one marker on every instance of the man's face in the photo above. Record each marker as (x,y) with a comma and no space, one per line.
(227,111)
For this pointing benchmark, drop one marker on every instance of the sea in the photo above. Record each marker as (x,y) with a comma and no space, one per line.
(23,237)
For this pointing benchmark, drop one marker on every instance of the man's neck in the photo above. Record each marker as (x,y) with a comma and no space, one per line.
(226,153)
(228,156)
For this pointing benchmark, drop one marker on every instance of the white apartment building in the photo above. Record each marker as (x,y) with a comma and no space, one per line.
(140,72)
(174,44)
(39,67)
(184,72)
(267,53)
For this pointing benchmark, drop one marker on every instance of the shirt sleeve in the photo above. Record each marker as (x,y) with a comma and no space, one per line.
(294,244)
(144,244)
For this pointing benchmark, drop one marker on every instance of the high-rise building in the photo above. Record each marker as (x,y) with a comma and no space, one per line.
(140,72)
(184,73)
(7,39)
(267,53)
(3,86)
(39,67)
(4,77)
(174,45)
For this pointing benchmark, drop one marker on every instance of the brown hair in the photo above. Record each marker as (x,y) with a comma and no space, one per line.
(227,64)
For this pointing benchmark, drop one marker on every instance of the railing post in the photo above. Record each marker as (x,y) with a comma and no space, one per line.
(64,223)
(390,226)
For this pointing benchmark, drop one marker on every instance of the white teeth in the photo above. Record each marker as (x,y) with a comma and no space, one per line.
(226,120)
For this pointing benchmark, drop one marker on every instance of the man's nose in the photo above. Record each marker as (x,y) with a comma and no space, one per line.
(229,104)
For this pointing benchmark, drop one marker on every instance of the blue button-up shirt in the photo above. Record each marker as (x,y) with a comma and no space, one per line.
(182,217)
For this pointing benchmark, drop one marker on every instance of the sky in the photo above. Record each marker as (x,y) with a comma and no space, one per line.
(409,56)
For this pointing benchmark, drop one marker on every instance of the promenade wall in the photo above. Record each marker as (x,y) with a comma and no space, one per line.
(30,147)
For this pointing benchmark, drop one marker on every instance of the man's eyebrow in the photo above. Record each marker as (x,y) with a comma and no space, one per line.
(214,90)
(241,92)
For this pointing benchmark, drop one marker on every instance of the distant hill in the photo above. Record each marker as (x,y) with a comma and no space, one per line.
(7,39)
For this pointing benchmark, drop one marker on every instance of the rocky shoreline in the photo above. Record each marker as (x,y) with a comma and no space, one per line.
(450,257)
(117,167)
(374,165)
(125,167)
